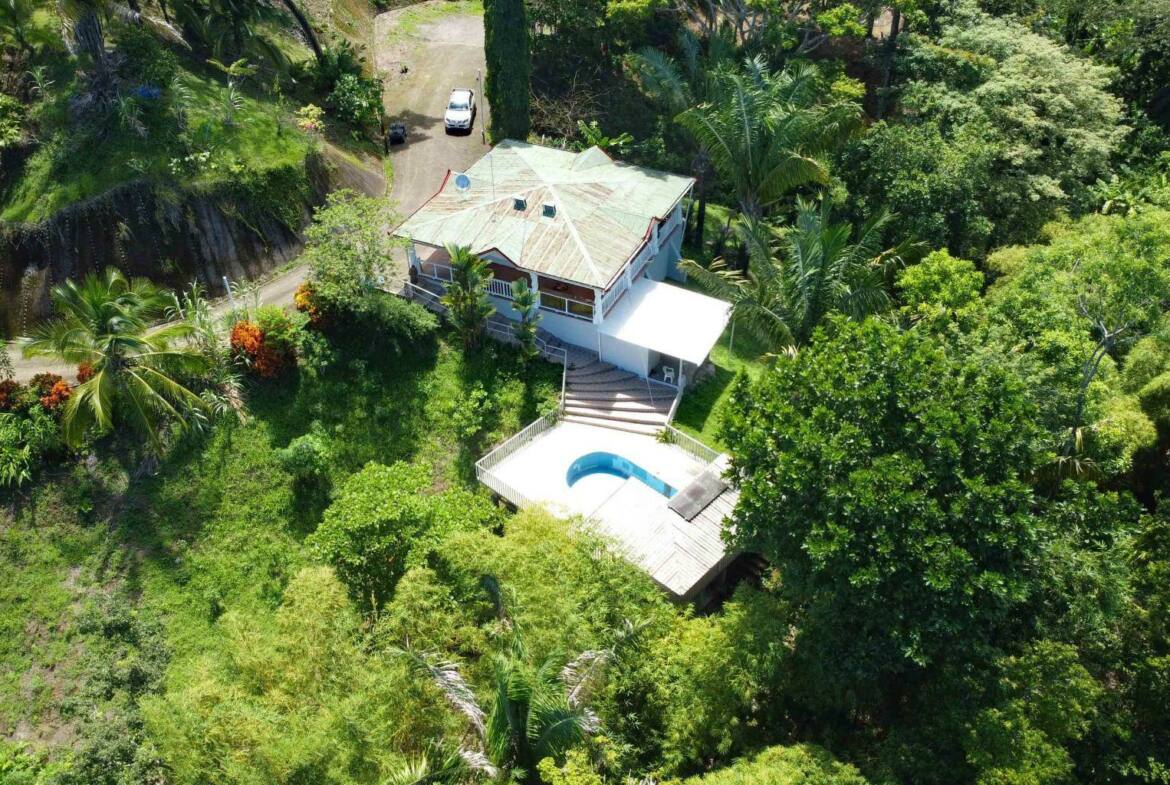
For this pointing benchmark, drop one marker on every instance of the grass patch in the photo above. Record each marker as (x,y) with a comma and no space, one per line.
(414,17)
(700,411)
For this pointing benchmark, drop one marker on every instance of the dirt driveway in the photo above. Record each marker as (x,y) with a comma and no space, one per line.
(439,50)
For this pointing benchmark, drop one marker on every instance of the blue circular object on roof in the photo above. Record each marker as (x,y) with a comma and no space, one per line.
(462,182)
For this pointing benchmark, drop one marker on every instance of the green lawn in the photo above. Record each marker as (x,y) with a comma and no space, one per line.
(221,524)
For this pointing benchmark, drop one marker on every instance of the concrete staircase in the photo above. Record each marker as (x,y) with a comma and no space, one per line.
(597,393)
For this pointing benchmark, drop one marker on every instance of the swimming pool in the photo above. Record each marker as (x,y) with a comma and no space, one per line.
(616,466)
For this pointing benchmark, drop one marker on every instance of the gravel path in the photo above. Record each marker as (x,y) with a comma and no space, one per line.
(438,55)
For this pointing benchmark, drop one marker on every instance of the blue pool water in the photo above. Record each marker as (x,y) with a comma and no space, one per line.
(616,466)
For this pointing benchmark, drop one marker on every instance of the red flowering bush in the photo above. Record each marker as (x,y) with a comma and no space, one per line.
(85,372)
(57,395)
(267,355)
(50,389)
(10,394)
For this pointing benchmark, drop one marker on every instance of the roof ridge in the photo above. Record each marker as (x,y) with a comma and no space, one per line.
(597,277)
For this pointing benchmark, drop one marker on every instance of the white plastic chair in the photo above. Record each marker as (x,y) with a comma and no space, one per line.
(668,374)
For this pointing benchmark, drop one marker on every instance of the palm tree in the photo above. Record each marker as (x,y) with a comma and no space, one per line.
(466,299)
(675,84)
(104,321)
(525,304)
(799,275)
(766,133)
(538,710)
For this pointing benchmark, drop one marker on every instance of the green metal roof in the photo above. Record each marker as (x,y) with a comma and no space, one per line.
(603,210)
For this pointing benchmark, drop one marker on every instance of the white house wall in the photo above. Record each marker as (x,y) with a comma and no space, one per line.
(627,356)
(575,331)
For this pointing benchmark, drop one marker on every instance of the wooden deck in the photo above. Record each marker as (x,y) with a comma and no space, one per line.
(681,556)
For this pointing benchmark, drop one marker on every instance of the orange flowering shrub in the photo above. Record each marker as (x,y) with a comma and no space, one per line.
(305,300)
(249,345)
(85,372)
(51,389)
(246,339)
(43,382)
(10,391)
(57,395)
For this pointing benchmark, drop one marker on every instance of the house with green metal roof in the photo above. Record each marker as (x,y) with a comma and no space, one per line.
(597,239)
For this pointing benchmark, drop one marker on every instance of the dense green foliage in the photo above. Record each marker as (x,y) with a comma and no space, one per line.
(801,764)
(863,463)
(506,84)
(381,520)
(948,223)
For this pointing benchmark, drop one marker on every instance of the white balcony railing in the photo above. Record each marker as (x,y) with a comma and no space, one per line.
(610,298)
(500,288)
(578,309)
(439,272)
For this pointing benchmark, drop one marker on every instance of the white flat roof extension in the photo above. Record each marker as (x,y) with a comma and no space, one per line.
(668,319)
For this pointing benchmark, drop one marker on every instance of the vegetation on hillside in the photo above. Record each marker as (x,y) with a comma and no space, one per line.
(945,230)
(197,93)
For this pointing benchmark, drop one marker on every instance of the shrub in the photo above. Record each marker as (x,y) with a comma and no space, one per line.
(305,301)
(50,389)
(334,63)
(307,457)
(12,114)
(385,518)
(246,339)
(148,62)
(57,395)
(399,323)
(267,346)
(85,372)
(800,763)
(280,329)
(10,394)
(469,413)
(25,442)
(310,119)
(357,100)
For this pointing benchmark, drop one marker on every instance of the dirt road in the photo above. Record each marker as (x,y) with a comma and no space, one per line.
(440,50)
(437,55)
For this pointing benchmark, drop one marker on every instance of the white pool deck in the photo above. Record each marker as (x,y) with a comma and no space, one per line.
(682,556)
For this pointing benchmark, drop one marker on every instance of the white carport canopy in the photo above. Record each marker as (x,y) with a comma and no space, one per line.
(668,319)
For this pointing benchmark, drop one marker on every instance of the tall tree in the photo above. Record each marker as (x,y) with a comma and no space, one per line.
(506,84)
(887,481)
(105,321)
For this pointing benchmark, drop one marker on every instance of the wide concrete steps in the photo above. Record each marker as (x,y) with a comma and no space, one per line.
(614,378)
(619,425)
(639,416)
(597,393)
(620,403)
